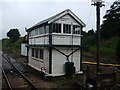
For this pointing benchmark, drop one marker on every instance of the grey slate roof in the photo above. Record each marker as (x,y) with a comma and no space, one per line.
(48,19)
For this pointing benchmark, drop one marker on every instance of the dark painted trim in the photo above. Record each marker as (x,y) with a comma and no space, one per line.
(42,45)
(81,51)
(50,49)
(27,48)
(67,56)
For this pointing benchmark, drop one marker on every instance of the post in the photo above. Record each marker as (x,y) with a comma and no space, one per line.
(27,45)
(81,48)
(50,48)
(98,4)
(98,35)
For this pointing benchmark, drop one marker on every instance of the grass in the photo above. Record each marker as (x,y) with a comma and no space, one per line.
(107,47)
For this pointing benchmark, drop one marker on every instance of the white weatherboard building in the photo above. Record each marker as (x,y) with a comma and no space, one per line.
(23,49)
(55,41)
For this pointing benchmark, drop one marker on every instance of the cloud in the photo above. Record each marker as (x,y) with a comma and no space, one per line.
(21,14)
(52,0)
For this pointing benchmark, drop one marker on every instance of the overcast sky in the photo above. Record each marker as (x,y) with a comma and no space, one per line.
(25,13)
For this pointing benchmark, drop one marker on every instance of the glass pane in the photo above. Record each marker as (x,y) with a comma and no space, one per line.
(66,28)
(32,52)
(56,28)
(41,53)
(76,29)
(44,29)
(47,29)
(36,53)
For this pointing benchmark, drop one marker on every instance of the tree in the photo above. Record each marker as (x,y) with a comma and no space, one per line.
(89,38)
(13,34)
(111,24)
(91,32)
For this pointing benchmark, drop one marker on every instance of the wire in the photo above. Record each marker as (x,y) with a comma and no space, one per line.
(89,16)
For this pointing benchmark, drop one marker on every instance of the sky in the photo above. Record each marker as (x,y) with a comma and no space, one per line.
(25,13)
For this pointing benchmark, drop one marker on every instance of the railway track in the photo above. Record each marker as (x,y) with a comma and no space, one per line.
(31,74)
(14,77)
(5,81)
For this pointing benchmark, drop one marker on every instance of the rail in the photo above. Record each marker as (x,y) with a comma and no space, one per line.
(8,59)
(103,64)
(6,79)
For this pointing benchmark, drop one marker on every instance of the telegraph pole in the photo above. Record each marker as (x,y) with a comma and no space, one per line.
(98,4)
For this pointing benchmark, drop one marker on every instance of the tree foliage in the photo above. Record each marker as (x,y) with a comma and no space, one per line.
(111,24)
(13,34)
(89,38)
(118,50)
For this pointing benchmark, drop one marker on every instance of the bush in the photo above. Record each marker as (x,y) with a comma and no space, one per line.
(13,46)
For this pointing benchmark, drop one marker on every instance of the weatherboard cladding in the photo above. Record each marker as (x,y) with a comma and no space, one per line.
(56,17)
(52,61)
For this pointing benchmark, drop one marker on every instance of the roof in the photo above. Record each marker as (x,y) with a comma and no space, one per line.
(57,16)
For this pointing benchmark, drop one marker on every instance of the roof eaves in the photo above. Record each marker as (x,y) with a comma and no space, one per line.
(58,16)
(55,17)
(80,21)
(66,12)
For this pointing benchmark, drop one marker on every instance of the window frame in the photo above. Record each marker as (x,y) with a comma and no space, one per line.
(56,28)
(76,32)
(33,51)
(41,53)
(37,53)
(65,27)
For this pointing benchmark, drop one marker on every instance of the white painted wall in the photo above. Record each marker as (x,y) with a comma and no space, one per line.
(38,63)
(58,61)
(23,49)
(64,39)
(39,39)
(67,19)
(57,39)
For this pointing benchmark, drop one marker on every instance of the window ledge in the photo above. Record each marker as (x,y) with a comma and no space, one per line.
(39,35)
(39,60)
(63,34)
(60,34)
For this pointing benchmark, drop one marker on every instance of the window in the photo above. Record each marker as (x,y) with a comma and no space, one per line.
(32,33)
(36,31)
(66,28)
(46,28)
(76,29)
(41,30)
(29,34)
(41,54)
(56,28)
(36,53)
(32,52)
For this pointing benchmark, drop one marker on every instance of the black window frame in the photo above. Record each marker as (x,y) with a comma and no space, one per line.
(67,28)
(56,27)
(33,52)
(41,53)
(36,53)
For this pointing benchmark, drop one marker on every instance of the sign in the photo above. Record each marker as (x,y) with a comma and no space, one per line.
(64,19)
